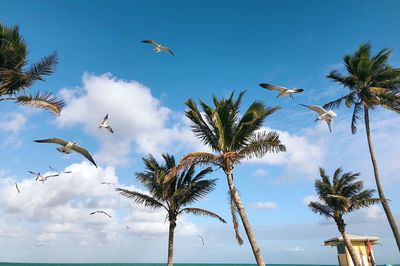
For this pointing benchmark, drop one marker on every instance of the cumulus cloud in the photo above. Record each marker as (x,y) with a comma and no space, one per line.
(12,122)
(263,205)
(260,172)
(294,249)
(140,121)
(302,155)
(60,209)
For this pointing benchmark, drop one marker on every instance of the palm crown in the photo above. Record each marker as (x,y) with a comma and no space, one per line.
(16,77)
(186,188)
(371,81)
(231,136)
(343,195)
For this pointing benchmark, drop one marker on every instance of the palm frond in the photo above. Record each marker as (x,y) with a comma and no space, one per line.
(321,209)
(355,117)
(262,143)
(234,213)
(45,67)
(338,102)
(44,100)
(140,198)
(200,212)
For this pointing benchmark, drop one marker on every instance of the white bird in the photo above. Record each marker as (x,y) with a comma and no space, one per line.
(103,212)
(283,90)
(158,47)
(325,115)
(37,175)
(201,239)
(16,186)
(107,183)
(59,172)
(68,147)
(104,124)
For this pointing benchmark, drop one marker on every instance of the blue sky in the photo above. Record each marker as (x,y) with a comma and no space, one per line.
(220,47)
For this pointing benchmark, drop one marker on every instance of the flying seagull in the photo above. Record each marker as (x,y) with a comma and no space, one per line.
(42,178)
(325,115)
(68,147)
(103,212)
(104,124)
(59,172)
(16,186)
(38,175)
(283,90)
(201,239)
(107,183)
(158,47)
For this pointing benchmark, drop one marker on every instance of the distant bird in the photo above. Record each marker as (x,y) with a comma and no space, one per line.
(103,212)
(201,239)
(59,172)
(127,227)
(68,147)
(158,47)
(16,186)
(107,183)
(104,124)
(283,90)
(325,115)
(37,175)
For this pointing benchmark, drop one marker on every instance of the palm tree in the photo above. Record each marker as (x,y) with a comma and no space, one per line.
(372,82)
(339,197)
(15,77)
(232,138)
(185,189)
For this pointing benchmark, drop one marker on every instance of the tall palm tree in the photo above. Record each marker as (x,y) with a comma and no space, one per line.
(174,197)
(232,138)
(16,77)
(372,82)
(339,197)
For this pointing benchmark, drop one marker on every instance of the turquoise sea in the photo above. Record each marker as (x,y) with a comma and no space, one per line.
(145,264)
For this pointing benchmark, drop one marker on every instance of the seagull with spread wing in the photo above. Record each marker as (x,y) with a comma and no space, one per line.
(325,115)
(105,125)
(37,175)
(67,147)
(103,212)
(59,172)
(17,188)
(201,239)
(158,47)
(283,91)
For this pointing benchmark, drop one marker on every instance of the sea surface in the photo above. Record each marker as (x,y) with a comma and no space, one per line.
(147,264)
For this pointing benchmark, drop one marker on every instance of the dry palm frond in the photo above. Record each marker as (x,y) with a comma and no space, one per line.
(44,100)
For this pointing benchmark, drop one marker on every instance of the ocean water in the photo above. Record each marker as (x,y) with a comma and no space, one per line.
(146,264)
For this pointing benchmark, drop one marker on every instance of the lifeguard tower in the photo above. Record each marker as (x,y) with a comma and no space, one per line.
(361,244)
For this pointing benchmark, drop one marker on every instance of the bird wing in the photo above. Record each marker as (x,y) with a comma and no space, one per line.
(106,214)
(201,239)
(110,129)
(273,87)
(67,172)
(315,108)
(93,212)
(167,50)
(53,140)
(84,152)
(105,119)
(55,170)
(151,42)
(54,175)
(16,186)
(329,122)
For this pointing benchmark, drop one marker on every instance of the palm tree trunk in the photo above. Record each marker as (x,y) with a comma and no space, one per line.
(385,204)
(245,220)
(172,225)
(349,246)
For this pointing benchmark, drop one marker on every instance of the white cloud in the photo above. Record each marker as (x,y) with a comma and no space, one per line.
(141,123)
(12,122)
(60,208)
(260,172)
(263,205)
(302,156)
(294,249)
